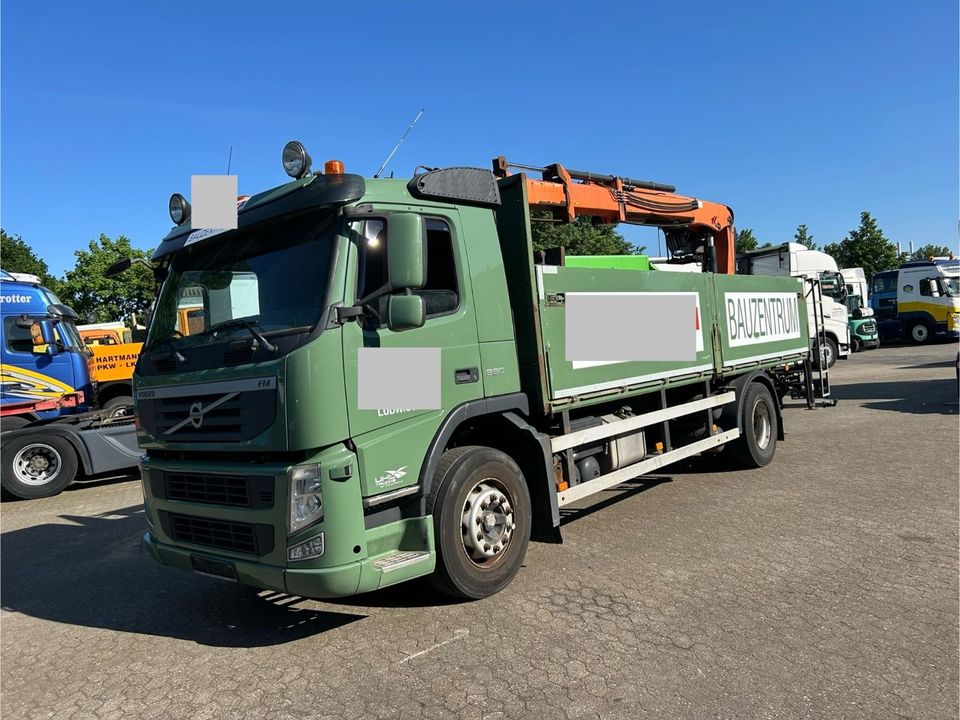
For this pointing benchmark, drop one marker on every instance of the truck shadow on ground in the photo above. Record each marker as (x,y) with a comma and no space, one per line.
(92,572)
(917,397)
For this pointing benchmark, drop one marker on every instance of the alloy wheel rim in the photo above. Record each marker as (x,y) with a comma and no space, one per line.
(36,464)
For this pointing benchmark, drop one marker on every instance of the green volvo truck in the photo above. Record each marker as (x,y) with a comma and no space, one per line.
(266,462)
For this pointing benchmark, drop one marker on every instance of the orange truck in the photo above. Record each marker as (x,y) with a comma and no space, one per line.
(111,365)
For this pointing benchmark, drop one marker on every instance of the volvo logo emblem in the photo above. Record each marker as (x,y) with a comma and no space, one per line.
(196,415)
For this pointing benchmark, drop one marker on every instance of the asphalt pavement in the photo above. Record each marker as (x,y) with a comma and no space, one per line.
(822,586)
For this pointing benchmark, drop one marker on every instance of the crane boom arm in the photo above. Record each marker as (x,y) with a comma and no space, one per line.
(685,221)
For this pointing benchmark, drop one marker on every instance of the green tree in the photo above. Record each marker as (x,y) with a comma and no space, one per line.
(17,256)
(803,237)
(745,241)
(581,237)
(87,291)
(866,247)
(929,251)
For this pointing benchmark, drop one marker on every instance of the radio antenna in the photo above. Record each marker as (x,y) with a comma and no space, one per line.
(229,159)
(397,146)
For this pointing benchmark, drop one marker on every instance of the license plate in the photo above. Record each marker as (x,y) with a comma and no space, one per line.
(220,569)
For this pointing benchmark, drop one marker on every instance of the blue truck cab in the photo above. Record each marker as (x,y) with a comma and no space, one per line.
(42,357)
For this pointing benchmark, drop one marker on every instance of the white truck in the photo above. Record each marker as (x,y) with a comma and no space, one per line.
(796,260)
(856,281)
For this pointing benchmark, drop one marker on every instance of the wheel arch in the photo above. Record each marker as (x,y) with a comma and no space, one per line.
(732,412)
(500,423)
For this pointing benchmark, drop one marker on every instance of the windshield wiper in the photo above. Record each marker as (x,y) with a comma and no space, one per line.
(167,340)
(246,325)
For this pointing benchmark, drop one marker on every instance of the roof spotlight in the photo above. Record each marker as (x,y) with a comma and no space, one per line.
(179,209)
(296,159)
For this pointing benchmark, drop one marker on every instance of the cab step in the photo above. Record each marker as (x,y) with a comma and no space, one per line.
(400,559)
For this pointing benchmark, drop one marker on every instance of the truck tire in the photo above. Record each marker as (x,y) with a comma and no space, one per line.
(116,407)
(13,422)
(480,490)
(920,332)
(758,429)
(828,353)
(37,464)
(855,344)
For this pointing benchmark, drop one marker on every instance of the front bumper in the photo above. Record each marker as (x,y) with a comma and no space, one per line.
(317,582)
(203,533)
(350,578)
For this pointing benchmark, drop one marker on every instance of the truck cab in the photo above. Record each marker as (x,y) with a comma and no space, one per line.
(42,357)
(916,302)
(796,260)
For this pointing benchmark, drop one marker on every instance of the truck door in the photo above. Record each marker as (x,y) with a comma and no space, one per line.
(27,371)
(450,326)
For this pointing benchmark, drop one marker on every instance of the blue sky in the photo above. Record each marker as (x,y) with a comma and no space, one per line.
(790,113)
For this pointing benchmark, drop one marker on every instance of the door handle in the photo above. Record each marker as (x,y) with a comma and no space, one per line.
(466,375)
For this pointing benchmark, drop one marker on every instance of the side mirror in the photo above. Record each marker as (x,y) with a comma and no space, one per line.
(46,336)
(406,256)
(121,265)
(405,312)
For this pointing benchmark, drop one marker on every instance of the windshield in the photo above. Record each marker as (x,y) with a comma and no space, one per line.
(832,285)
(952,286)
(274,278)
(68,335)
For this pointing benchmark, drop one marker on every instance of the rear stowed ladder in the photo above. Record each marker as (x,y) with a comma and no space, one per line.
(816,377)
(664,455)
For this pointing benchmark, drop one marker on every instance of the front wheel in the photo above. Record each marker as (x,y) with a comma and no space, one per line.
(759,428)
(481,520)
(831,351)
(855,344)
(920,333)
(37,465)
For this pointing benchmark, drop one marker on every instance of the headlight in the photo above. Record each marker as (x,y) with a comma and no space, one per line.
(306,497)
(296,160)
(312,548)
(179,209)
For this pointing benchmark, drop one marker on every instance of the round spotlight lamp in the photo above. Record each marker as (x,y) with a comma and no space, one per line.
(179,209)
(296,160)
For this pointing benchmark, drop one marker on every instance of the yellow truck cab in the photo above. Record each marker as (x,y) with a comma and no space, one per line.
(111,365)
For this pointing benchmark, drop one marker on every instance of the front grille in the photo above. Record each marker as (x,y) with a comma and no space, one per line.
(164,365)
(212,489)
(238,356)
(869,327)
(238,537)
(224,416)
(254,491)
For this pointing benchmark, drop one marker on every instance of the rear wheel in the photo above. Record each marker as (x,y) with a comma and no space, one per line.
(37,465)
(759,428)
(481,519)
(920,332)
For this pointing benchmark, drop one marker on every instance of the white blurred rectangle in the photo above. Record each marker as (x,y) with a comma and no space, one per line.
(213,202)
(398,378)
(610,327)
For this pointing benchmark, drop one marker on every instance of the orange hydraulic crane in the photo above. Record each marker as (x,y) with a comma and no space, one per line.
(692,227)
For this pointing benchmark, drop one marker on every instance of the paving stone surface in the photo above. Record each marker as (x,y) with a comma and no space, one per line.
(823,586)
